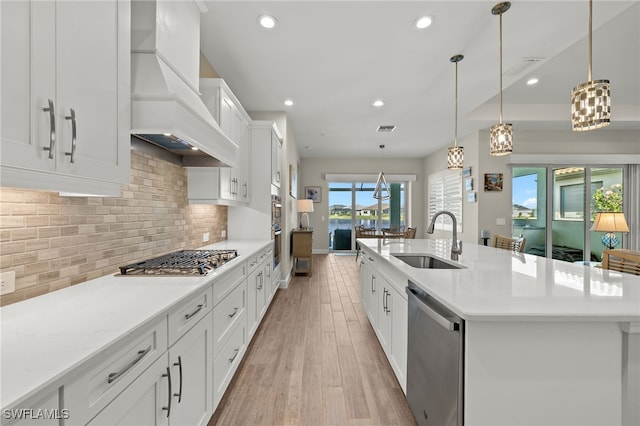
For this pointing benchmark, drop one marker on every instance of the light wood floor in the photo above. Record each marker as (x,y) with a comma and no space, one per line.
(315,360)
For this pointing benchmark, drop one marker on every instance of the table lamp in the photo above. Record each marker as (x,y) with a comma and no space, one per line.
(304,207)
(610,222)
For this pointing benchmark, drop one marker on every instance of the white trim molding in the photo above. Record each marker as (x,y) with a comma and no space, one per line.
(517,159)
(367,177)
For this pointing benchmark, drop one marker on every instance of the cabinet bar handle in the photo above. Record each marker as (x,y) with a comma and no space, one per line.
(373,290)
(198,309)
(72,117)
(168,408)
(179,365)
(233,314)
(113,376)
(235,354)
(246,189)
(52,129)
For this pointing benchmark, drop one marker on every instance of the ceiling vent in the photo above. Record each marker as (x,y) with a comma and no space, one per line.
(385,129)
(523,64)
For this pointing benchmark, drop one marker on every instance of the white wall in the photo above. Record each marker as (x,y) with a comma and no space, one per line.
(312,171)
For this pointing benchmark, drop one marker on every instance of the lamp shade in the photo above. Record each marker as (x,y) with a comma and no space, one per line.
(610,222)
(304,206)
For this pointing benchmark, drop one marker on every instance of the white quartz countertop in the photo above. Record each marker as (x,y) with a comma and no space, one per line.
(496,284)
(48,336)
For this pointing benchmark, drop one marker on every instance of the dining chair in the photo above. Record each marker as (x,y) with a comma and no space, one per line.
(513,244)
(410,233)
(387,233)
(622,260)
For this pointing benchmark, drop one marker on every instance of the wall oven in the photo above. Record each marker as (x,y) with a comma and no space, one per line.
(276,231)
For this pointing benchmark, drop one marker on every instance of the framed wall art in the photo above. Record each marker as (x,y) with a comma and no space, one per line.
(313,193)
(468,184)
(471,197)
(492,182)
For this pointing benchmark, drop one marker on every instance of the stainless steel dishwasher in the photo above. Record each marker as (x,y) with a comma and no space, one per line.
(435,361)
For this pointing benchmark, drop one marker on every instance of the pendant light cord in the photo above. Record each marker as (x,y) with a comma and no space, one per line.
(500,68)
(455,133)
(589,78)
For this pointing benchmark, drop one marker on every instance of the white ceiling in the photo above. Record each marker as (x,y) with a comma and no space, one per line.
(334,58)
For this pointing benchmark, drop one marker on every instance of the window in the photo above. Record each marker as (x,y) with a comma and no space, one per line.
(560,227)
(352,204)
(445,193)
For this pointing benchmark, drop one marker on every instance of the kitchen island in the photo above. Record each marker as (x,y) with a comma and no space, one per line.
(546,342)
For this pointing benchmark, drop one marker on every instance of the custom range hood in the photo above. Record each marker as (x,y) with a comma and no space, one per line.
(166,109)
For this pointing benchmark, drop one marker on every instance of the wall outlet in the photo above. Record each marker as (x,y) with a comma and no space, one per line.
(500,221)
(205,237)
(8,282)
(223,234)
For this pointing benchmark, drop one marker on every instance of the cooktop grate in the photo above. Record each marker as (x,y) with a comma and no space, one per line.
(184,262)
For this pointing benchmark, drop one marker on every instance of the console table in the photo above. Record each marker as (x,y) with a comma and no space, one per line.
(301,248)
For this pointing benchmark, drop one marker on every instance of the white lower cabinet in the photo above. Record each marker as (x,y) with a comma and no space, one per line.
(176,390)
(387,309)
(162,377)
(368,289)
(190,363)
(117,369)
(44,411)
(257,288)
(144,403)
(392,328)
(226,362)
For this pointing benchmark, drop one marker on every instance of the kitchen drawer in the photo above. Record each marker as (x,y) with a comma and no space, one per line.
(253,261)
(113,370)
(226,314)
(226,362)
(227,282)
(188,313)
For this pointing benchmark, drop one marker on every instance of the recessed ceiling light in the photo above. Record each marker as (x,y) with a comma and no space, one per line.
(267,21)
(288,102)
(378,103)
(423,22)
(167,134)
(194,148)
(532,81)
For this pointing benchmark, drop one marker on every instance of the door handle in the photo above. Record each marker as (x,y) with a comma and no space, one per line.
(72,117)
(52,129)
(168,407)
(179,365)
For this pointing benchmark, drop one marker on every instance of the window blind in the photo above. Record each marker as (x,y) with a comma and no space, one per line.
(445,193)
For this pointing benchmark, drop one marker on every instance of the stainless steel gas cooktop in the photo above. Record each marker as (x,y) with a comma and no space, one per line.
(183,262)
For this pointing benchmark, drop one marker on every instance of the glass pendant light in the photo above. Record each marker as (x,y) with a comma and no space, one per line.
(455,154)
(590,101)
(381,192)
(501,135)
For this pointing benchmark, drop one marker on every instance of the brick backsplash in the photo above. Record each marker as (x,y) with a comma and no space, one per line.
(53,242)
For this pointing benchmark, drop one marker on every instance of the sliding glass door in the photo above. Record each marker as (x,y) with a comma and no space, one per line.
(352,204)
(554,208)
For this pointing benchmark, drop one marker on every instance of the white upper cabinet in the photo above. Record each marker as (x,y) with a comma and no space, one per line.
(232,183)
(66,95)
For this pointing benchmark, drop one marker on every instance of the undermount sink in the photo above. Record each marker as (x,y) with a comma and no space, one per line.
(425,261)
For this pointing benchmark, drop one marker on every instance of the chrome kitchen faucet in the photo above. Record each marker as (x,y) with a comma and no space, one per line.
(456,246)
